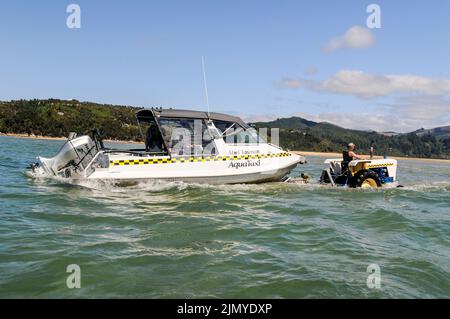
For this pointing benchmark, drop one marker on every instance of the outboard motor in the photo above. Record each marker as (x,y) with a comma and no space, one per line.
(72,159)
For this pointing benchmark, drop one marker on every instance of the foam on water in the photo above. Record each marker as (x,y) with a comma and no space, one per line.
(159,185)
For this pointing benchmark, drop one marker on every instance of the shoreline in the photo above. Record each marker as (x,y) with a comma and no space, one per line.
(304,153)
(401,158)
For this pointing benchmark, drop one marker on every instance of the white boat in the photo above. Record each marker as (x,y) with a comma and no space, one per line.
(180,145)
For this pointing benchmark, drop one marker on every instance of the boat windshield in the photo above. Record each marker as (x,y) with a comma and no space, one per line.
(233,133)
(185,136)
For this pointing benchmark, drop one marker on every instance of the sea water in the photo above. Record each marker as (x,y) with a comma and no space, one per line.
(177,240)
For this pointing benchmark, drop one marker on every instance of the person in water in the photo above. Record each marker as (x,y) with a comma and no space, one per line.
(351,152)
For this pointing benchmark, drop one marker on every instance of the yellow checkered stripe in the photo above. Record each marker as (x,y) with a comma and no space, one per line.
(380,165)
(194,159)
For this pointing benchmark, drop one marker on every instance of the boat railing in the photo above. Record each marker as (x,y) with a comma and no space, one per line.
(136,152)
(86,169)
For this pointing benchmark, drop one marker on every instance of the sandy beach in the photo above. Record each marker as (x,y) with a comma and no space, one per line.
(339,155)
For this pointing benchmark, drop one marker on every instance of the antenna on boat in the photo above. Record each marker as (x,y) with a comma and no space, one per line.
(206,86)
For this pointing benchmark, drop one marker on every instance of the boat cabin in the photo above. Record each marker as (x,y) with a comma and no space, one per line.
(194,133)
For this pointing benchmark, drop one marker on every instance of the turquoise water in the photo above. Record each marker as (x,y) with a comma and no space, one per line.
(190,241)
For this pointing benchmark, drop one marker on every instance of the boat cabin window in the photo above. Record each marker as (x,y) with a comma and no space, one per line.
(233,133)
(187,136)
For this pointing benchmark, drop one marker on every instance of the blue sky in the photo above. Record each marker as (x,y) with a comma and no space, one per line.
(264,59)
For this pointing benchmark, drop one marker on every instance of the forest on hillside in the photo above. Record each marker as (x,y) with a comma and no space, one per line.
(57,118)
(298,133)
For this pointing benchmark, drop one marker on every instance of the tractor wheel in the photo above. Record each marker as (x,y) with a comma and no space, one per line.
(366,179)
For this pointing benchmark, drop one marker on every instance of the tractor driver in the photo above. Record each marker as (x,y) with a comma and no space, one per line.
(351,152)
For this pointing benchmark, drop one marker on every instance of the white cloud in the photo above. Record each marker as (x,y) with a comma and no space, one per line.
(429,109)
(252,118)
(366,85)
(354,38)
(356,121)
(414,101)
(299,83)
(397,119)
(405,114)
(290,83)
(403,117)
(311,71)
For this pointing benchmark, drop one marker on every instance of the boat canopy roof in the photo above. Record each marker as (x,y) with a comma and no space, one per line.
(174,113)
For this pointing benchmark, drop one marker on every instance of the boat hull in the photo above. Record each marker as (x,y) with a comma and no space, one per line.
(259,164)
(245,178)
(257,168)
(203,174)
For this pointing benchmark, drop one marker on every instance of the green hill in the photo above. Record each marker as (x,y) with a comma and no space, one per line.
(57,118)
(300,134)
(438,132)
